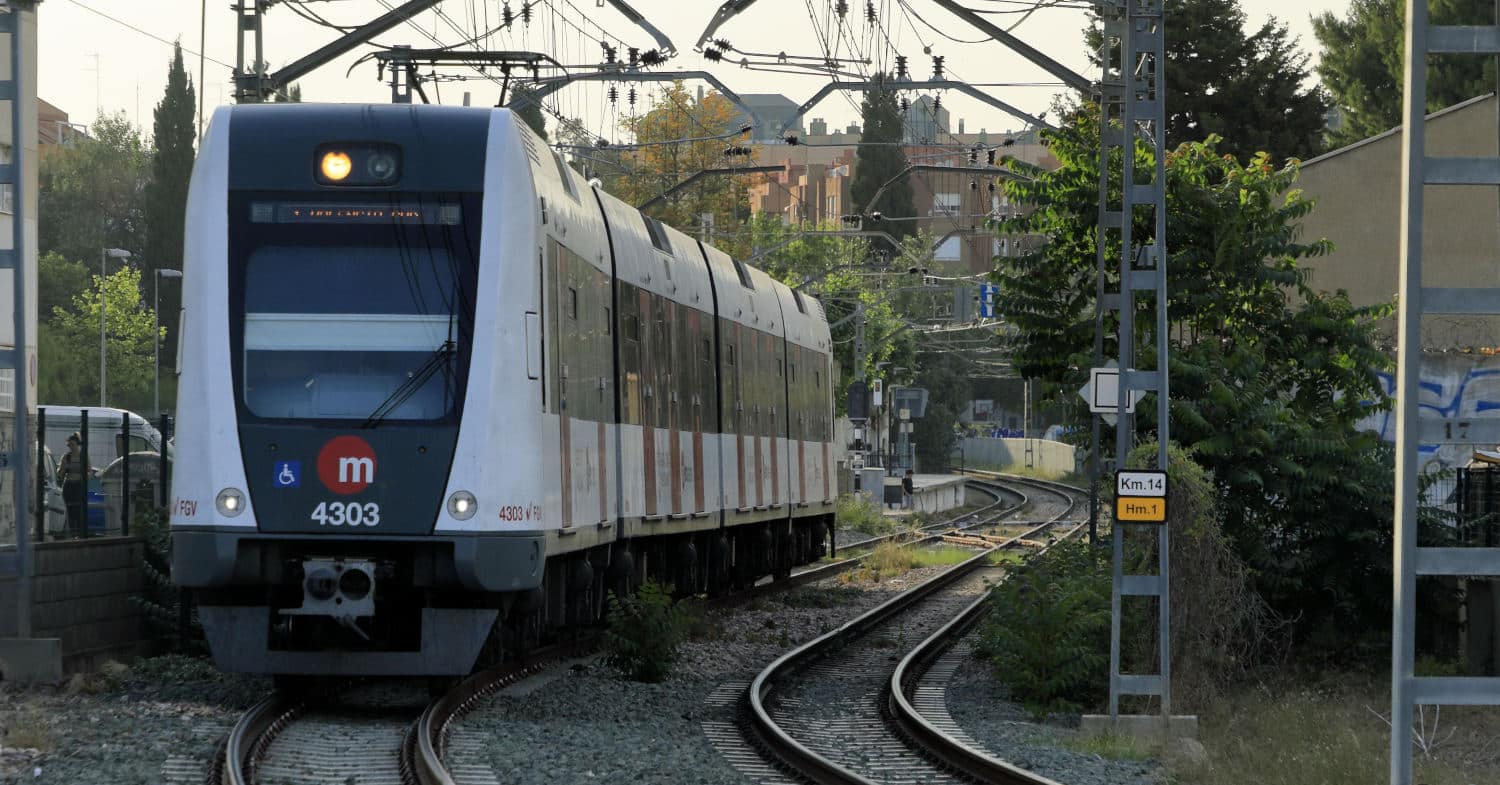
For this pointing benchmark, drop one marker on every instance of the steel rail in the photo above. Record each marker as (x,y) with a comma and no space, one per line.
(808,762)
(919,730)
(424,744)
(423,748)
(248,739)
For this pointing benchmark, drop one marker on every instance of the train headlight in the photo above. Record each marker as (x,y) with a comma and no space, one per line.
(336,165)
(230,502)
(462,505)
(381,167)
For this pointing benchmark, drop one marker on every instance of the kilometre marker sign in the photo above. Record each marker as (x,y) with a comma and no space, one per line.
(1141,496)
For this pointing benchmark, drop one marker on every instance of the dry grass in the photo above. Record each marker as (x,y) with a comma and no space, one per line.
(25,731)
(889,560)
(1109,746)
(1332,731)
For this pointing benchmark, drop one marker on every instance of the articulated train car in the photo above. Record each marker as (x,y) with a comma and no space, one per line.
(438,393)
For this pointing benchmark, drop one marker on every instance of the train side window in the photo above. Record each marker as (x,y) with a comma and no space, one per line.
(779,364)
(658,234)
(572,303)
(801,306)
(608,321)
(729,354)
(743,273)
(562,171)
(818,379)
(707,351)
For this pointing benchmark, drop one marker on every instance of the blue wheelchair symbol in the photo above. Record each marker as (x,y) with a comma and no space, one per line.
(288,474)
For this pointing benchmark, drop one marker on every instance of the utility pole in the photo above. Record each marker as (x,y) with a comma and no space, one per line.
(18,22)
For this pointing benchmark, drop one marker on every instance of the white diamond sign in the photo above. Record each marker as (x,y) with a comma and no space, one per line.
(1103,392)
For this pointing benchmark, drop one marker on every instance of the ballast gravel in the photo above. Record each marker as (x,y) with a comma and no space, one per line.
(981,705)
(585,723)
(160,720)
(157,722)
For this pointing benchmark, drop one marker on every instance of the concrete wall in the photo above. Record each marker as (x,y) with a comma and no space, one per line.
(83,594)
(939,497)
(1358,195)
(1046,455)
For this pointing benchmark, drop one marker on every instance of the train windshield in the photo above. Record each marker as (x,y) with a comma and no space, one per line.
(354,311)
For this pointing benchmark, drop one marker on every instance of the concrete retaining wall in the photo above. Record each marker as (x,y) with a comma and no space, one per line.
(933,492)
(82,594)
(1046,455)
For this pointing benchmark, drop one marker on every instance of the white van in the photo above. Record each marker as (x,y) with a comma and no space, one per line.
(106,443)
(104,432)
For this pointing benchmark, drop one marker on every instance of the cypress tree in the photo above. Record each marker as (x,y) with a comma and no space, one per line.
(881,160)
(173,139)
(524,103)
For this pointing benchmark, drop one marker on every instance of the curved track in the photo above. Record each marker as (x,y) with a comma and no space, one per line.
(825,709)
(381,733)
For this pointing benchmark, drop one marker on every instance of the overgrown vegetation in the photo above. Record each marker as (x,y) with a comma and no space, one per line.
(1220,626)
(27,730)
(1269,375)
(1109,746)
(856,512)
(1332,730)
(1048,636)
(890,560)
(161,600)
(645,631)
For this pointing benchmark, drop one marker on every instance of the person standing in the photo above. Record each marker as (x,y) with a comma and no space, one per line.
(908,487)
(74,473)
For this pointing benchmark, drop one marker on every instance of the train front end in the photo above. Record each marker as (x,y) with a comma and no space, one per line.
(331,278)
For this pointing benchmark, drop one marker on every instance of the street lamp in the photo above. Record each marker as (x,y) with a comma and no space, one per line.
(104,255)
(156,339)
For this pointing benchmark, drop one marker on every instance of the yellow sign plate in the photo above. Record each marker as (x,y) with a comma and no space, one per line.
(1141,509)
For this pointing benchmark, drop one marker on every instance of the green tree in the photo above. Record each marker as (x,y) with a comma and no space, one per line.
(1268,376)
(292,95)
(69,349)
(58,281)
(524,103)
(680,136)
(1246,88)
(880,161)
(842,272)
(1364,54)
(174,136)
(91,191)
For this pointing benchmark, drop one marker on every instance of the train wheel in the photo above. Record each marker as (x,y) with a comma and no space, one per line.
(620,577)
(685,570)
(720,567)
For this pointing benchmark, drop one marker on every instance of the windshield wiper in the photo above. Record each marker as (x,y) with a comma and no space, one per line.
(415,380)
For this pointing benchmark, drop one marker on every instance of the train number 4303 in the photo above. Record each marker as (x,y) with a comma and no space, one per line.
(346,514)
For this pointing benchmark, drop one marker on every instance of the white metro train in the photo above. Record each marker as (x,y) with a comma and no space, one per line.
(438,393)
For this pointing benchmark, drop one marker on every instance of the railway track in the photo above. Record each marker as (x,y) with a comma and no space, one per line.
(833,710)
(388,732)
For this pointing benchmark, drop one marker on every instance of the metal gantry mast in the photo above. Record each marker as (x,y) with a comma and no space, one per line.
(1132,110)
(20,90)
(1415,300)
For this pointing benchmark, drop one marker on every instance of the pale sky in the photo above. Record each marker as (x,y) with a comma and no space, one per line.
(88,63)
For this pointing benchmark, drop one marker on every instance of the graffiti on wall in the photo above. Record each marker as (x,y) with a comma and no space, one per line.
(1455,389)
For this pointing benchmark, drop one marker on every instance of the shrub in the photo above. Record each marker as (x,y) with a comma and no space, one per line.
(1048,637)
(1221,626)
(161,600)
(856,512)
(645,631)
